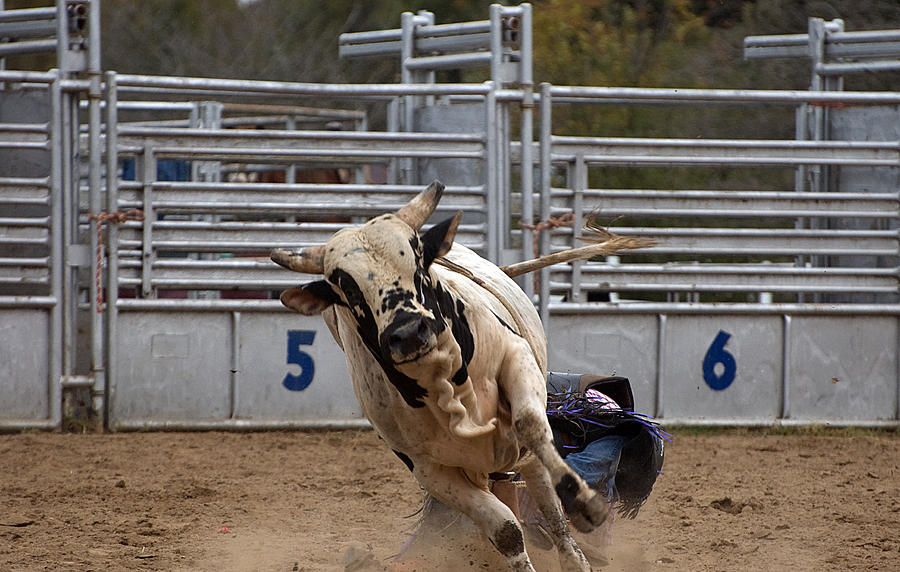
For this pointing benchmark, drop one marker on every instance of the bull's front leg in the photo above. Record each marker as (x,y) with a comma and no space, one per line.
(451,486)
(540,488)
(524,385)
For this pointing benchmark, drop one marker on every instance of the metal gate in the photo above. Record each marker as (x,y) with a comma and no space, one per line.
(40,246)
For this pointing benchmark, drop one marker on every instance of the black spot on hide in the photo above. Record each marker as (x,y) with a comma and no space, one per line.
(508,539)
(507,326)
(409,389)
(454,311)
(406,460)
(395,297)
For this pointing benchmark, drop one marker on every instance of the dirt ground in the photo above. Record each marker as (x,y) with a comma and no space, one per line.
(735,500)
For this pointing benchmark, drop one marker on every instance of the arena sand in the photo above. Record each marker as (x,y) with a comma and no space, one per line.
(737,500)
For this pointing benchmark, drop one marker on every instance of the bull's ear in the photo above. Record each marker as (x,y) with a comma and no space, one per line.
(310,299)
(437,240)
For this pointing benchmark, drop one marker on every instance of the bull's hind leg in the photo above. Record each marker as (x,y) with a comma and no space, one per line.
(540,488)
(523,385)
(451,486)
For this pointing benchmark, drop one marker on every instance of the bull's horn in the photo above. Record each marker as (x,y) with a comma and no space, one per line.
(417,210)
(310,260)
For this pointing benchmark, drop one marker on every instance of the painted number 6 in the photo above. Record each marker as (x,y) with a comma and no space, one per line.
(295,339)
(717,354)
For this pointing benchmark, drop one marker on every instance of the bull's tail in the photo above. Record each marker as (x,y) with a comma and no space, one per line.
(605,243)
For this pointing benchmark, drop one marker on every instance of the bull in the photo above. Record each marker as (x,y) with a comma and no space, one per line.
(448,359)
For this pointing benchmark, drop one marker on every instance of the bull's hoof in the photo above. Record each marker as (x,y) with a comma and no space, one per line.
(585,507)
(591,512)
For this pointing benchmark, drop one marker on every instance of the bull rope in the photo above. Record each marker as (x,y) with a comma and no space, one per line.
(502,299)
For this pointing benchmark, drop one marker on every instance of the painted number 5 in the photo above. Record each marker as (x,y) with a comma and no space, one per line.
(295,355)
(715,355)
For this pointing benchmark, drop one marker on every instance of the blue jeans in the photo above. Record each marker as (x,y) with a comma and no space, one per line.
(598,462)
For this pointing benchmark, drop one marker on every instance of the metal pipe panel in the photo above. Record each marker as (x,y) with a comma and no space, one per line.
(723,308)
(27,47)
(240,425)
(126,82)
(839,69)
(8,302)
(27,29)
(447,61)
(25,14)
(640,94)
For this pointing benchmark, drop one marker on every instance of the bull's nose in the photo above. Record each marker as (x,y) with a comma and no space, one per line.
(407,338)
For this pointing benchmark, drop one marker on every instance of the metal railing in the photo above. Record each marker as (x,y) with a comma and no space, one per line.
(758,244)
(241,219)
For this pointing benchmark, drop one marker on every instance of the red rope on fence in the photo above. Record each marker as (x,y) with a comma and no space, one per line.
(108,218)
(567,219)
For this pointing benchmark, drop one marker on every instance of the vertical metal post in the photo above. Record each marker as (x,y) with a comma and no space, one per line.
(359,172)
(527,141)
(95,158)
(816,34)
(112,240)
(525,48)
(580,178)
(834,82)
(62,38)
(57,262)
(2,60)
(785,405)
(147,253)
(504,165)
(208,116)
(68,138)
(407,50)
(801,133)
(290,174)
(546,168)
(660,366)
(817,173)
(235,363)
(496,20)
(426,18)
(491,168)
(393,126)
(527,121)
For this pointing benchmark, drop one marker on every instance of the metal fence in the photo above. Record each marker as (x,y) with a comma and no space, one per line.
(756,305)
(136,264)
(32,291)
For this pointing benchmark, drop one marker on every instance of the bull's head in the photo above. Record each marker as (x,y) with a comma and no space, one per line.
(379,271)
